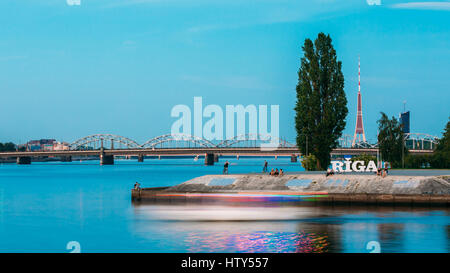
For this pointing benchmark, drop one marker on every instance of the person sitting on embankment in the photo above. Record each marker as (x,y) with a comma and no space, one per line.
(272,172)
(276,172)
(329,172)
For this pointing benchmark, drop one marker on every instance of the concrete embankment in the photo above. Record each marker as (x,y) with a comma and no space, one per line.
(412,190)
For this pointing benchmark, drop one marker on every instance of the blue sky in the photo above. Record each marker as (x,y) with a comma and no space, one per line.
(117,66)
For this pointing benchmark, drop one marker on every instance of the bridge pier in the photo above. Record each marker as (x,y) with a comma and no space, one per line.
(293,158)
(140,158)
(216,157)
(209,159)
(67,158)
(23,160)
(106,159)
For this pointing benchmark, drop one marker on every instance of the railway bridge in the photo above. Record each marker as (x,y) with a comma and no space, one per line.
(107,146)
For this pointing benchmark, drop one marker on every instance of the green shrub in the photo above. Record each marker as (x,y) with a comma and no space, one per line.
(309,162)
(418,161)
(440,160)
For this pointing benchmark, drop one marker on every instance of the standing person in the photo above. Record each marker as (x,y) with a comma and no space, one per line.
(225,167)
(265,166)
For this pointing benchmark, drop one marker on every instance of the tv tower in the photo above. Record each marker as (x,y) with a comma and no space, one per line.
(359,128)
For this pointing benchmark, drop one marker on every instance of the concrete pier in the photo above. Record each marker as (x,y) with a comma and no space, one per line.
(209,159)
(24,160)
(336,189)
(216,158)
(66,158)
(293,158)
(140,158)
(106,159)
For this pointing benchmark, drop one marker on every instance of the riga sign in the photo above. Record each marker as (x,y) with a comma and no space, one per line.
(353,166)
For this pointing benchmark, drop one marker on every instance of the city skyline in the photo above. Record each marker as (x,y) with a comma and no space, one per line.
(81,72)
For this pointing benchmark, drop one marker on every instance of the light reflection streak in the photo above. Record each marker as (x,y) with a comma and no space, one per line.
(251,196)
(223,213)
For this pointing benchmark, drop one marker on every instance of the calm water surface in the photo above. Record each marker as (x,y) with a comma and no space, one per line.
(43,206)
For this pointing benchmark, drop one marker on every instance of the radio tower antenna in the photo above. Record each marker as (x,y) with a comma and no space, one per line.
(359,128)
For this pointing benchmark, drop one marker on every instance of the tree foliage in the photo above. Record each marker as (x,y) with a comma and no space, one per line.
(442,152)
(321,107)
(365,157)
(309,162)
(7,147)
(419,161)
(391,140)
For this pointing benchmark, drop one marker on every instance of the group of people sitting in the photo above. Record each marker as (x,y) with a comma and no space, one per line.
(276,172)
(272,172)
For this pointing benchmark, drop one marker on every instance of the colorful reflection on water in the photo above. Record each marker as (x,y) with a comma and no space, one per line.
(281,228)
(273,242)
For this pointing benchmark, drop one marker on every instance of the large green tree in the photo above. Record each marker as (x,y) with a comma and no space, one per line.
(391,140)
(321,107)
(442,152)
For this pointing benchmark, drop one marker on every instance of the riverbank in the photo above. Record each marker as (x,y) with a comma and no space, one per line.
(317,188)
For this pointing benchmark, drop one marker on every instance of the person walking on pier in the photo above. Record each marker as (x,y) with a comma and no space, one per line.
(265,166)
(225,167)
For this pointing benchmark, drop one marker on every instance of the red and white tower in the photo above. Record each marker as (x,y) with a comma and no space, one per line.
(359,128)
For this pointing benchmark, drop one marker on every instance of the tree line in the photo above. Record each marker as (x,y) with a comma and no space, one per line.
(7,147)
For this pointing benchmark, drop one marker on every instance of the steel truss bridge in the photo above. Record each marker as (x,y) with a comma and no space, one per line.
(106,146)
(413,141)
(174,141)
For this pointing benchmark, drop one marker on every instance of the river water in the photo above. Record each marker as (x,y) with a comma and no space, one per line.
(44,206)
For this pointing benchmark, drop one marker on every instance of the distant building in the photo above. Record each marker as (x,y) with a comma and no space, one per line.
(41,145)
(405,121)
(47,147)
(61,146)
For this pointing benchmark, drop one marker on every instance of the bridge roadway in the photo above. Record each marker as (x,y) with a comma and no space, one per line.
(25,157)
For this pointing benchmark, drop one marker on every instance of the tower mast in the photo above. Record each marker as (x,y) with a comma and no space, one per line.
(359,128)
